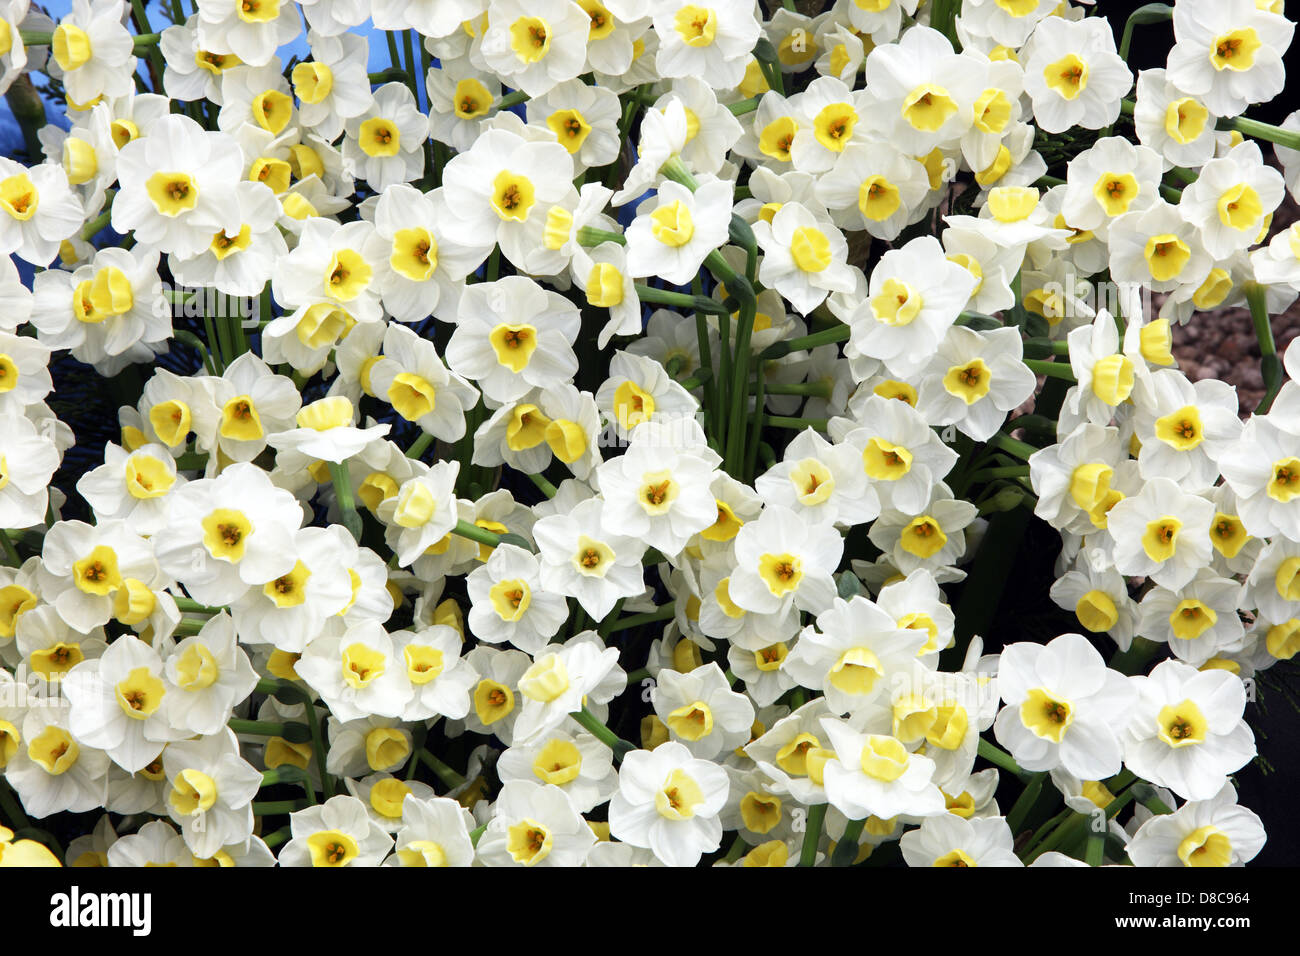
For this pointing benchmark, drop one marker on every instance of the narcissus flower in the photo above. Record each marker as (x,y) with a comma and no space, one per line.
(118,704)
(1074,76)
(669,801)
(1187,731)
(534,825)
(1211,832)
(712,41)
(784,561)
(671,237)
(1064,707)
(338,832)
(177,187)
(949,840)
(1229,54)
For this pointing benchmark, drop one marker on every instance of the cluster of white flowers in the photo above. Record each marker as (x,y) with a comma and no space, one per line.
(525,440)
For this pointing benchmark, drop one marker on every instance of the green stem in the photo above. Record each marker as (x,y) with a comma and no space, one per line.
(512,99)
(846,848)
(1270,365)
(1094,855)
(676,170)
(681,300)
(736,431)
(590,236)
(12,808)
(1151,13)
(544,486)
(475,533)
(1020,809)
(194,342)
(1146,795)
(1022,450)
(294,733)
(812,835)
(736,850)
(265,808)
(1134,660)
(756,426)
(1059,370)
(284,774)
(1289,139)
(836,333)
(1010,471)
(11,553)
(1000,758)
(186,604)
(742,107)
(347,503)
(387,75)
(419,445)
(410,67)
(636,620)
(444,773)
(815,389)
(602,733)
(785,421)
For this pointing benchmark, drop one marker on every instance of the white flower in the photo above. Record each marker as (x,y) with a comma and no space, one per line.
(1187,731)
(710,42)
(1161,532)
(512,335)
(974,380)
(28,461)
(94,51)
(580,558)
(177,186)
(804,257)
(412,378)
(558,683)
(211,792)
(356,672)
(1210,832)
(875,775)
(659,489)
(949,840)
(508,603)
(435,832)
(50,770)
(250,29)
(422,512)
(118,704)
(332,86)
(338,832)
(701,711)
(669,801)
(537,44)
(852,653)
(782,561)
(673,236)
(580,765)
(38,210)
(915,295)
(1074,76)
(534,825)
(229,533)
(1063,707)
(385,141)
(1228,53)
(441,679)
